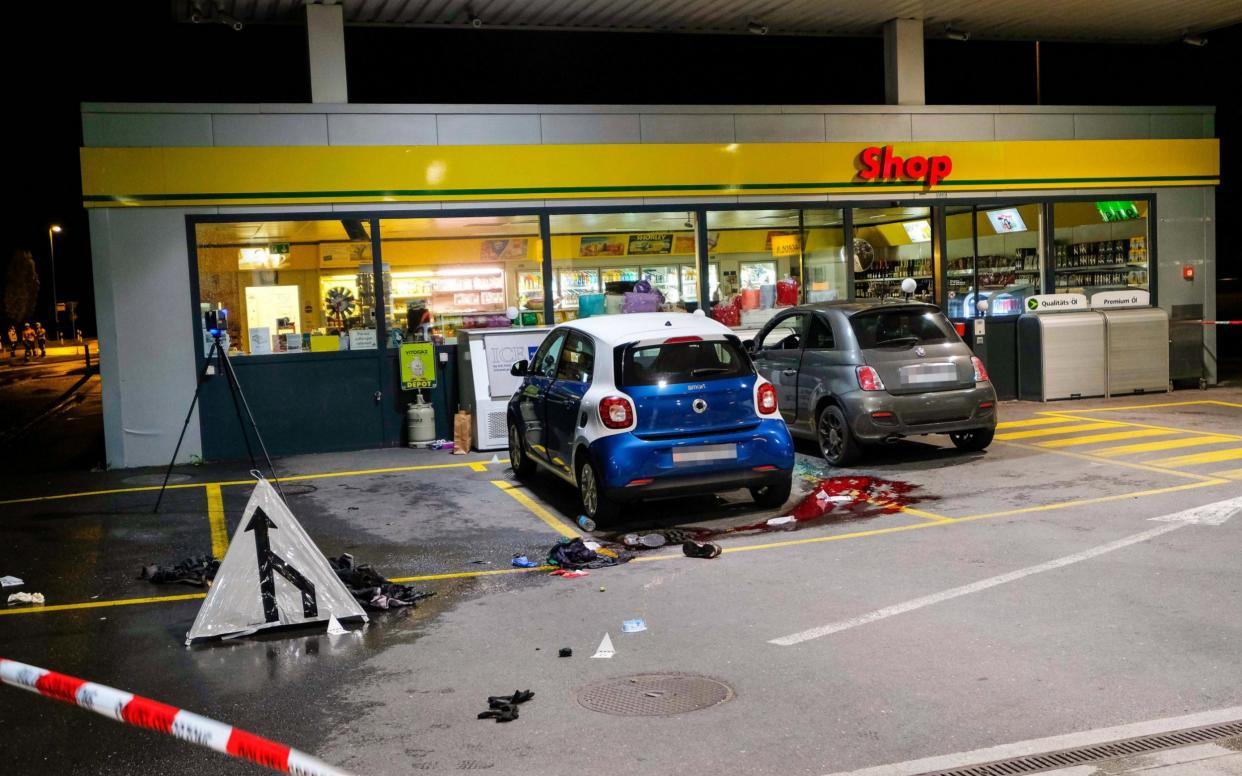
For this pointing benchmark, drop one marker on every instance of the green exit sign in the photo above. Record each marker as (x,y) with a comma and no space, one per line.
(1117,211)
(278,248)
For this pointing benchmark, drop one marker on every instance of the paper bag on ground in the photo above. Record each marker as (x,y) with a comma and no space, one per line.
(461,433)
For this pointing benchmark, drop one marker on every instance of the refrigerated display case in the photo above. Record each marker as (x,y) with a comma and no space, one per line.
(573,283)
(665,280)
(689,284)
(618,274)
(757,273)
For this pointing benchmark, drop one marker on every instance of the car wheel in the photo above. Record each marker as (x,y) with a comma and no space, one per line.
(522,464)
(774,495)
(973,440)
(836,441)
(595,504)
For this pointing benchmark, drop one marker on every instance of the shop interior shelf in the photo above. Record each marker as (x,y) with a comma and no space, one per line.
(1096,268)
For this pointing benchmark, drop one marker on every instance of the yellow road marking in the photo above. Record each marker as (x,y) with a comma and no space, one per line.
(1097,500)
(1152,425)
(1093,458)
(911,511)
(1040,432)
(1232,454)
(1030,422)
(539,512)
(1161,404)
(508,488)
(100,604)
(1233,474)
(215,516)
(227,483)
(1168,444)
(1091,439)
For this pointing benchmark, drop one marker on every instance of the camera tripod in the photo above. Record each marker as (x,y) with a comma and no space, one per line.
(220,355)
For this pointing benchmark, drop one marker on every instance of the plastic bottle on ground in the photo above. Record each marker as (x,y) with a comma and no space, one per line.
(586,523)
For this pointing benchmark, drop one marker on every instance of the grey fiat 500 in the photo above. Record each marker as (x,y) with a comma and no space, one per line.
(852,374)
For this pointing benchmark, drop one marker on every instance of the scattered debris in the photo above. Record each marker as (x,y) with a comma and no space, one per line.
(586,523)
(504,708)
(34,599)
(334,627)
(10,582)
(602,588)
(522,562)
(785,523)
(706,550)
(605,649)
(495,458)
(647,541)
(440,444)
(565,652)
(371,589)
(196,571)
(633,626)
(574,554)
(569,574)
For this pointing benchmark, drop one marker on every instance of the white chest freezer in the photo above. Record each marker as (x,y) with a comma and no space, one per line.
(484,357)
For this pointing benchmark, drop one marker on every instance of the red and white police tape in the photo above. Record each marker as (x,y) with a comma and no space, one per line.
(1221,323)
(153,715)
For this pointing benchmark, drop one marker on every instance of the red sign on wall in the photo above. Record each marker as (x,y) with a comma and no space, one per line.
(879,163)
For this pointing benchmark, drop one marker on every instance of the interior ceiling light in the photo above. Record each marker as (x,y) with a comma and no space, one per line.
(953,34)
(210,11)
(1194,40)
(757,28)
(475,21)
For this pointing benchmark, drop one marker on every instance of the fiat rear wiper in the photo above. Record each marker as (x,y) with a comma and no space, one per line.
(898,340)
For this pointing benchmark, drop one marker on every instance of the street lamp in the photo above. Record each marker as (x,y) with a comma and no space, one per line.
(52,231)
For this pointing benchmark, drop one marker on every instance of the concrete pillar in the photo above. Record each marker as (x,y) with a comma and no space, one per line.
(325,34)
(903,62)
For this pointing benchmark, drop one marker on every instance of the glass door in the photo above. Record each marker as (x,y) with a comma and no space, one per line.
(890,245)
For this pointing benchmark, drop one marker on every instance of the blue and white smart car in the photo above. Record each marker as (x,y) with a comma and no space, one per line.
(648,405)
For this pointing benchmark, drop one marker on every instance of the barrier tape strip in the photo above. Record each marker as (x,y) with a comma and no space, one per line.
(1221,323)
(153,715)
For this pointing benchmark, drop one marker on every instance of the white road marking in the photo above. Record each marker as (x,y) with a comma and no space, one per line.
(1055,743)
(1208,514)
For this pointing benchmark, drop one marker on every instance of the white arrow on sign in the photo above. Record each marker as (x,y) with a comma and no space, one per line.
(1208,514)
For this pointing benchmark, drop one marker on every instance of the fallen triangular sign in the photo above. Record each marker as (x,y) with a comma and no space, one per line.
(273,575)
(335,628)
(605,648)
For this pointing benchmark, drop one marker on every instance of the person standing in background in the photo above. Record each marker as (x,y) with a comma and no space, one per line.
(41,338)
(28,341)
(11,342)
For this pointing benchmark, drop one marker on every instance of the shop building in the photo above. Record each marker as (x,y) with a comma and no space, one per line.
(322,230)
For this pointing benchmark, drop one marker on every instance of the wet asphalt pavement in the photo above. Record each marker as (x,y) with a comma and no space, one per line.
(1147,631)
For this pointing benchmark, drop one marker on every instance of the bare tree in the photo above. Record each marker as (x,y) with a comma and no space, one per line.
(21,287)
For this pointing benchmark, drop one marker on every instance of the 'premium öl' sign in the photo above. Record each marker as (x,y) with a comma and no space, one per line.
(880,164)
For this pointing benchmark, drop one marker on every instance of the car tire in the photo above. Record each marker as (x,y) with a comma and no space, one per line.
(595,504)
(974,440)
(519,459)
(836,442)
(775,495)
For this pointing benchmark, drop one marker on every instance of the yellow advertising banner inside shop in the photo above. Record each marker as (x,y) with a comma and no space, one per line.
(113,177)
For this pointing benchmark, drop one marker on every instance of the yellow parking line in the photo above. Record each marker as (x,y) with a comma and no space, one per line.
(1233,474)
(1097,500)
(1161,404)
(100,604)
(1040,432)
(467,574)
(539,512)
(475,465)
(215,517)
(1231,454)
(1091,439)
(1093,458)
(911,511)
(1030,422)
(1167,444)
(1152,425)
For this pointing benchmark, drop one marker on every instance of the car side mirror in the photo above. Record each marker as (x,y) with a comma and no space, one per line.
(749,346)
(519,368)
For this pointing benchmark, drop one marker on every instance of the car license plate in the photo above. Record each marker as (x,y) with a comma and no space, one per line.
(928,373)
(704,454)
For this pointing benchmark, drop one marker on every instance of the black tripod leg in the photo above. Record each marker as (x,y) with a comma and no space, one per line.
(234,390)
(239,395)
(198,387)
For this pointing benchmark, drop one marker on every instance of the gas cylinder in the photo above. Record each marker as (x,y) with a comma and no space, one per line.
(420,422)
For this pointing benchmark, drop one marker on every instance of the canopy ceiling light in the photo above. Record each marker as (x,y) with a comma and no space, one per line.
(757,28)
(1194,40)
(953,34)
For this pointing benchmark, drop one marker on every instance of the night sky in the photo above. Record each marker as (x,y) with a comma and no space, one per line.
(59,55)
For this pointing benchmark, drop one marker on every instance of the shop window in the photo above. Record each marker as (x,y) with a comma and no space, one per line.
(890,245)
(1100,246)
(615,263)
(771,259)
(993,256)
(445,274)
(287,286)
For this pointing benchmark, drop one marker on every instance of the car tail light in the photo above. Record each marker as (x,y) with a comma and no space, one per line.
(981,372)
(766,401)
(616,412)
(869,379)
(687,338)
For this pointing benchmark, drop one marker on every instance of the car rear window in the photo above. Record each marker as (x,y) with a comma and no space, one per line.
(681,362)
(894,328)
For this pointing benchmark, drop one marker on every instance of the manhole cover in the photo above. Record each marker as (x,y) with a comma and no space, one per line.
(654,695)
(155,479)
